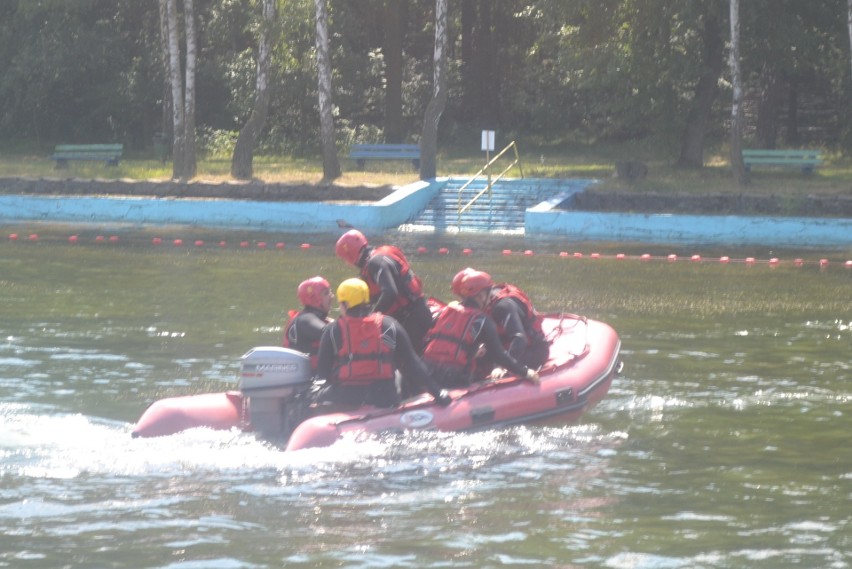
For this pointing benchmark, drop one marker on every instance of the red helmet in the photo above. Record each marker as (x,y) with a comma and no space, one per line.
(350,245)
(311,291)
(457,281)
(474,282)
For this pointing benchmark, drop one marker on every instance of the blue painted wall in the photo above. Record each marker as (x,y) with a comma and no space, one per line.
(406,203)
(296,217)
(699,229)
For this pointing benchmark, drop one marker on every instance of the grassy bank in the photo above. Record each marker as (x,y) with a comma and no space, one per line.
(547,161)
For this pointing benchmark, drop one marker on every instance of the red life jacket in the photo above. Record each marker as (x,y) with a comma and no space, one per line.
(363,357)
(450,341)
(532,320)
(410,288)
(313,347)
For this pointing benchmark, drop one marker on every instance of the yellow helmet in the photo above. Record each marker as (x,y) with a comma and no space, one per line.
(353,292)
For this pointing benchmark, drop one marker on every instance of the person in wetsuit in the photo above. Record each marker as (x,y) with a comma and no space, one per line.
(361,351)
(518,323)
(462,333)
(305,327)
(394,288)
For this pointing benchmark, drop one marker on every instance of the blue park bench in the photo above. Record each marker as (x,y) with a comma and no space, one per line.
(807,160)
(108,153)
(363,152)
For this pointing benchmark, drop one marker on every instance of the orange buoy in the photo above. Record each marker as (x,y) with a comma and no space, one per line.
(422,250)
(695,258)
(244,244)
(724,259)
(621,256)
(507,251)
(157,241)
(749,260)
(466,252)
(799,262)
(223,243)
(199,242)
(443,251)
(563,253)
(178,242)
(529,253)
(645,257)
(595,255)
(672,258)
(113,238)
(72,239)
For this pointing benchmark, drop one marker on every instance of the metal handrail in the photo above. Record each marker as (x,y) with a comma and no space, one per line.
(517,160)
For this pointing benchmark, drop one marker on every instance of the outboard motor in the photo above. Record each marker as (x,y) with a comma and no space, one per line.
(275,381)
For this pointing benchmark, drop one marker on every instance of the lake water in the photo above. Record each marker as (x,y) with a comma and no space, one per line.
(724,443)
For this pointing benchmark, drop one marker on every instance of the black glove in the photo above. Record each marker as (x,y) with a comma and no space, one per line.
(443,398)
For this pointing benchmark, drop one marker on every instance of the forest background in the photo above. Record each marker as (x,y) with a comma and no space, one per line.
(594,80)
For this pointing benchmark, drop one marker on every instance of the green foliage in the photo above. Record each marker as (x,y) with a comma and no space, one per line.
(607,70)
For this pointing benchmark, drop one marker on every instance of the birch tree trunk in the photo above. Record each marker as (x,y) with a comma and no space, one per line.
(849,23)
(242,162)
(178,135)
(393,20)
(166,128)
(330,164)
(432,118)
(189,159)
(737,166)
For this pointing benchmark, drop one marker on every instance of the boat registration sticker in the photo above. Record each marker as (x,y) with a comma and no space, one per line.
(416,419)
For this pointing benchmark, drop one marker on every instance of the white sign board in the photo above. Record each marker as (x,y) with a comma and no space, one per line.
(488,140)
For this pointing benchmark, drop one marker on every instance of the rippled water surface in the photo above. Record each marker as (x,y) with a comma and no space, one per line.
(725,443)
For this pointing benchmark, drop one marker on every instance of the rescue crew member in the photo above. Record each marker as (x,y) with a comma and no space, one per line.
(394,288)
(360,353)
(518,324)
(305,327)
(453,342)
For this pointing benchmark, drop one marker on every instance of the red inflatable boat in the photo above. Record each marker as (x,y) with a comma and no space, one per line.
(582,364)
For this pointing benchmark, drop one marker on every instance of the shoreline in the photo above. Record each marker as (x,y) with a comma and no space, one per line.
(584,215)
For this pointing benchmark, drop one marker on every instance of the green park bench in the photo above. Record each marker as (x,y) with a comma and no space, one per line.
(108,153)
(363,152)
(807,160)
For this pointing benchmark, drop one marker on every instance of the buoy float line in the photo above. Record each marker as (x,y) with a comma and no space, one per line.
(158,241)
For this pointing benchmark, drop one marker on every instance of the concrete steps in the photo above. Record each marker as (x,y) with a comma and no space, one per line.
(503,210)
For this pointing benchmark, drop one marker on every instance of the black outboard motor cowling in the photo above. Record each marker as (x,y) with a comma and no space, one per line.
(276,382)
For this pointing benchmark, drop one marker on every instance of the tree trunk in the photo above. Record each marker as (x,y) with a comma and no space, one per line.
(737,166)
(432,118)
(766,132)
(178,135)
(792,138)
(190,165)
(242,162)
(849,24)
(330,164)
(393,70)
(468,61)
(166,126)
(487,65)
(713,60)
